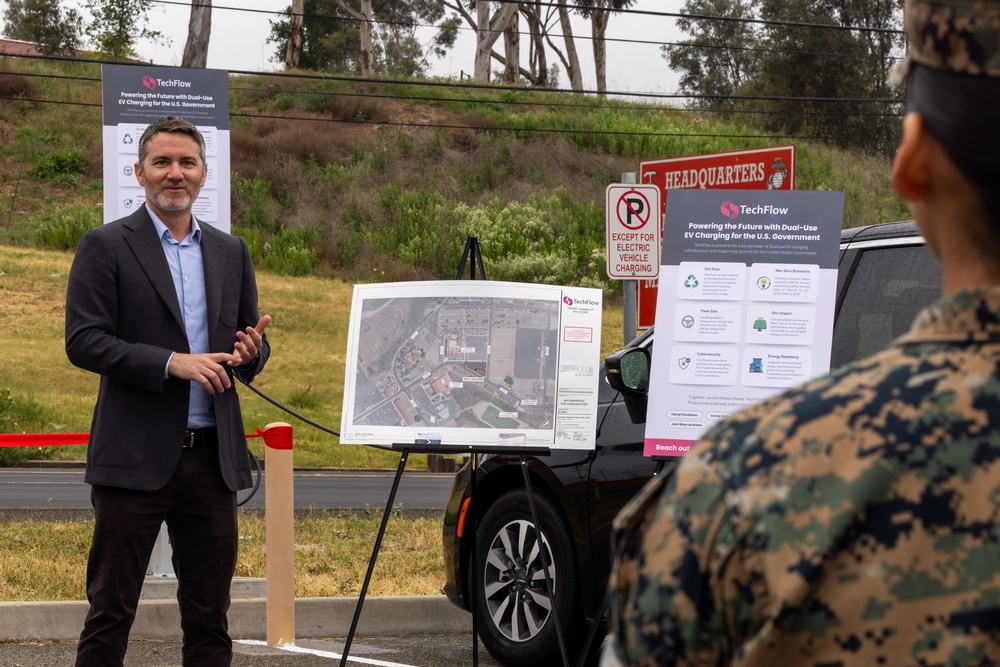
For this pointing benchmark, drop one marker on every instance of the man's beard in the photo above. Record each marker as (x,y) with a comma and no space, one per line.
(171,203)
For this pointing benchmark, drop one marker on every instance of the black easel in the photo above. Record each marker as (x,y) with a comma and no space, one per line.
(471,248)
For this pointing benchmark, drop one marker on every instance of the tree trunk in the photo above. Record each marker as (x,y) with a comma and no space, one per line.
(364,19)
(483,43)
(488,31)
(294,52)
(572,60)
(539,59)
(512,51)
(598,27)
(199,30)
(367,52)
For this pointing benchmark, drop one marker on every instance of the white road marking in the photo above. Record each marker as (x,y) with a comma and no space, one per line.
(292,648)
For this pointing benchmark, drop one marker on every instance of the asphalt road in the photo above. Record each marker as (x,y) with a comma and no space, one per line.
(408,651)
(334,489)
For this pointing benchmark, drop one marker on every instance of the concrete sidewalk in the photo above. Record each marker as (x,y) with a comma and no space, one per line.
(314,617)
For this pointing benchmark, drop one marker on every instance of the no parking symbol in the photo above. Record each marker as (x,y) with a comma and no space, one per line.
(633,209)
(633,244)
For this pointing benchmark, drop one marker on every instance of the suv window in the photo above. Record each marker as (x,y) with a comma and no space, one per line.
(889,286)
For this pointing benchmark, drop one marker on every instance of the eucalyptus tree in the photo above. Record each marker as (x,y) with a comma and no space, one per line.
(45,23)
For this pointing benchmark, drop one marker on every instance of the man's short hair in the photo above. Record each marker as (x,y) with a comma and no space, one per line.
(170,124)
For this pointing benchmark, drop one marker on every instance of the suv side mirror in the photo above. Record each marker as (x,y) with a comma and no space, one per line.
(627,371)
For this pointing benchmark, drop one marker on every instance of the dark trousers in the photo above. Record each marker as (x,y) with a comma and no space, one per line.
(200,512)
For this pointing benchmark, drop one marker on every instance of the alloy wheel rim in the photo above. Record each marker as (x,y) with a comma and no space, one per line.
(514,587)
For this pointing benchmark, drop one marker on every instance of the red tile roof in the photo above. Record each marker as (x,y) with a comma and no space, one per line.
(18,48)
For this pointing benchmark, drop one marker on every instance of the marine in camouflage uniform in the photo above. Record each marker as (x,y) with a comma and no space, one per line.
(854,520)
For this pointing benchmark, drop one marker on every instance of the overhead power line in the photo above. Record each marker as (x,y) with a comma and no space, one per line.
(451,126)
(509,88)
(523,33)
(508,102)
(710,17)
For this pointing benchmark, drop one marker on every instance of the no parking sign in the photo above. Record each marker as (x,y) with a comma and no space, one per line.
(633,231)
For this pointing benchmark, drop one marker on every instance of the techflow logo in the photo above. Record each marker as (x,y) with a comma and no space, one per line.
(149,82)
(729,209)
(580,302)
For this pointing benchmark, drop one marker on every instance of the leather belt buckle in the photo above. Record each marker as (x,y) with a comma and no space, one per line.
(189,439)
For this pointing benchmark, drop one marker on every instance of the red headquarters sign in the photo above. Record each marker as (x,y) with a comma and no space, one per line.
(754,169)
(634,231)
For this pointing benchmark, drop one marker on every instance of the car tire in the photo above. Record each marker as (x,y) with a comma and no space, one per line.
(515,618)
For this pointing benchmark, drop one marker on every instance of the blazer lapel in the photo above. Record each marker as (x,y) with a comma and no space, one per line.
(213,258)
(149,253)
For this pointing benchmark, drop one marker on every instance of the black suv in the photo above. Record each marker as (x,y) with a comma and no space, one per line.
(886,275)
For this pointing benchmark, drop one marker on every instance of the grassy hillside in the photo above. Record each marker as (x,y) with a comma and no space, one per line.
(336,182)
(41,392)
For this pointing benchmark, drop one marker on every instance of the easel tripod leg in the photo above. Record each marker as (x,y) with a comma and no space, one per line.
(375,550)
(554,617)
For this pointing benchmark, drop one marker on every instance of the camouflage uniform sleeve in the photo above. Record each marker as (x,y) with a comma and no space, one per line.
(681,593)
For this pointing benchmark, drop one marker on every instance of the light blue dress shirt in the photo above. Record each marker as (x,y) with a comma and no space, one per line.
(188,272)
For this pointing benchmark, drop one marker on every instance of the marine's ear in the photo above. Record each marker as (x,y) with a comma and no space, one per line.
(911,168)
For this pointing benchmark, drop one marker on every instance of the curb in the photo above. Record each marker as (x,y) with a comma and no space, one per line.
(314,617)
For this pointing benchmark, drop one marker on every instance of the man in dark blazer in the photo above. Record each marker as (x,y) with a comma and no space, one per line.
(164,309)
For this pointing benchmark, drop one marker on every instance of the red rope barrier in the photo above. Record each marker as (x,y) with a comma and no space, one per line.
(42,439)
(59,439)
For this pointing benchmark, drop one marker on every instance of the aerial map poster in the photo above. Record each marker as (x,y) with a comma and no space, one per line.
(472,362)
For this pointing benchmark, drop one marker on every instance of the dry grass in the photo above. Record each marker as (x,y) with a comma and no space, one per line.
(308,336)
(40,560)
(43,561)
(13,85)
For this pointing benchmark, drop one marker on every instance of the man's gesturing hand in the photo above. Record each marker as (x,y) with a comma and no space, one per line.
(205,369)
(248,344)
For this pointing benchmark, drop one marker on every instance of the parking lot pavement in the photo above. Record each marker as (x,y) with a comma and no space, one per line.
(409,651)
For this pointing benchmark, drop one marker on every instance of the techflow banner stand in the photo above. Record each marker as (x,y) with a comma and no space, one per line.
(133,95)
(751,169)
(746,307)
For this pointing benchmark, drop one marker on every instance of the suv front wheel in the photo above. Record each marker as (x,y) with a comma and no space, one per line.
(515,610)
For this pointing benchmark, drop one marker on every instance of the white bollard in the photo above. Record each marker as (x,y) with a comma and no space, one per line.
(279,520)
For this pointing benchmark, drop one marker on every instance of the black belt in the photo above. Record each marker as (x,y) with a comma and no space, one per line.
(200,437)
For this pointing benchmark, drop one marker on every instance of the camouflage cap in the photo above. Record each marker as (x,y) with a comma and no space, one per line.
(961,36)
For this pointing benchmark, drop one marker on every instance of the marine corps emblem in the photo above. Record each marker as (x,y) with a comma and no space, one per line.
(780,169)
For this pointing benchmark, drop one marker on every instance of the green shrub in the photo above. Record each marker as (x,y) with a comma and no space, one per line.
(291,253)
(254,199)
(63,168)
(254,241)
(284,101)
(318,102)
(350,250)
(328,175)
(61,229)
(382,156)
